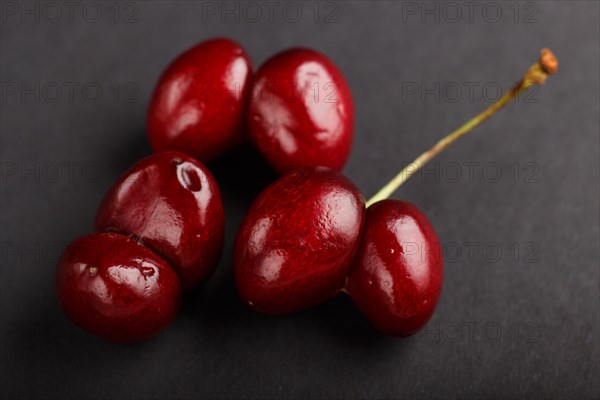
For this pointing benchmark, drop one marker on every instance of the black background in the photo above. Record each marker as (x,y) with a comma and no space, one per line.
(517,324)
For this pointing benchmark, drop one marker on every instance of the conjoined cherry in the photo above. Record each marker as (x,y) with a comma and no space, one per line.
(295,246)
(160,231)
(297,110)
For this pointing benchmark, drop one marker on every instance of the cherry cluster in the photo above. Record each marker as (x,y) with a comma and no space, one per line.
(307,237)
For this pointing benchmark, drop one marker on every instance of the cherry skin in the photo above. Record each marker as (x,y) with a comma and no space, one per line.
(301,111)
(297,242)
(113,287)
(397,274)
(199,103)
(172,204)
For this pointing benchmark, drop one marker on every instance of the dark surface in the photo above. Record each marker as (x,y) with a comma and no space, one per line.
(544,300)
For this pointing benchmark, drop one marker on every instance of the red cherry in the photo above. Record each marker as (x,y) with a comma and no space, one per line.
(172,204)
(112,286)
(397,274)
(301,111)
(296,244)
(199,102)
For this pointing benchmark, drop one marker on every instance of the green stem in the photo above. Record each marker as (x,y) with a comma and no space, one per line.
(535,75)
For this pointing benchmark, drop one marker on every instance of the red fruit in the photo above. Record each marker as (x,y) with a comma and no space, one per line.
(199,103)
(172,204)
(112,286)
(397,274)
(296,244)
(301,111)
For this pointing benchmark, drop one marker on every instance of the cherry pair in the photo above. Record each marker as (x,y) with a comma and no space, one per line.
(160,229)
(297,109)
(307,237)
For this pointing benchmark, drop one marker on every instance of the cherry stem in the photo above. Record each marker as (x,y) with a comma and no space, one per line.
(535,75)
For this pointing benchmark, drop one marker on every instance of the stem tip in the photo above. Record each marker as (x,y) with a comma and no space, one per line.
(548,61)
